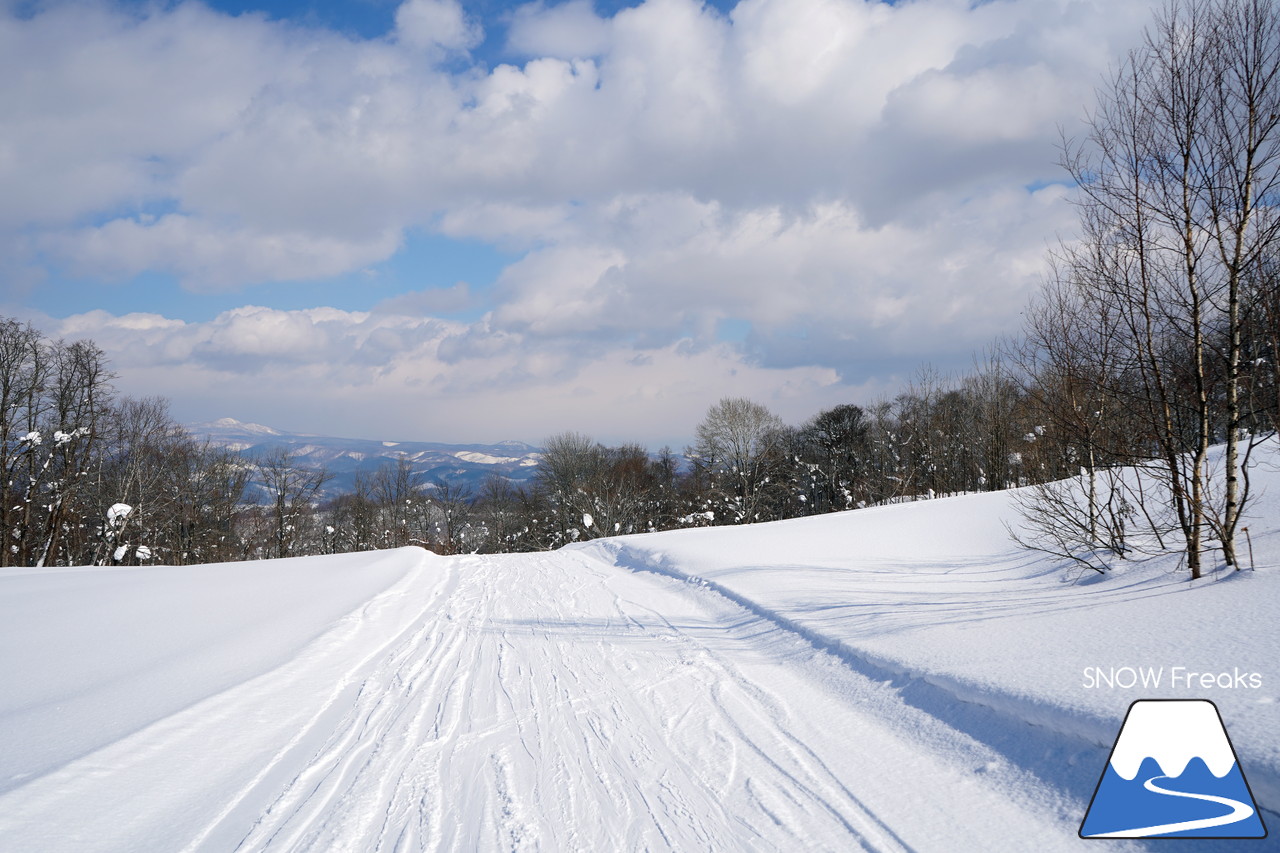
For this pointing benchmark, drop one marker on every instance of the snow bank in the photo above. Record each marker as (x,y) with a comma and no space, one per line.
(89,655)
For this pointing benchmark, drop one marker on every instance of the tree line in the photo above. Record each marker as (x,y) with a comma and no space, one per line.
(94,479)
(88,478)
(91,478)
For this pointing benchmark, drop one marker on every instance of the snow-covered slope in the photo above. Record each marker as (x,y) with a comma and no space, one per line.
(91,655)
(891,679)
(987,635)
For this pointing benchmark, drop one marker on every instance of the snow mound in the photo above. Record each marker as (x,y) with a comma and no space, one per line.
(88,655)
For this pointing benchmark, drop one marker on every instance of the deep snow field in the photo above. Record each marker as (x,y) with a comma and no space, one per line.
(896,678)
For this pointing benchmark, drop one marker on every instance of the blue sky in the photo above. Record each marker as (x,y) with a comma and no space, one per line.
(424,261)
(375,18)
(479,221)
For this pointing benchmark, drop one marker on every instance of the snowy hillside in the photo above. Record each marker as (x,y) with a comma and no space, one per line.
(899,678)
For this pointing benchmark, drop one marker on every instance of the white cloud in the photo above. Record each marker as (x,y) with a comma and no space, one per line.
(562,291)
(103,108)
(253,125)
(660,267)
(507,224)
(847,177)
(569,30)
(436,24)
(387,375)
(205,255)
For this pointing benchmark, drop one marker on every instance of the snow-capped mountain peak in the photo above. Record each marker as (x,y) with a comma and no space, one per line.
(233,425)
(1173,733)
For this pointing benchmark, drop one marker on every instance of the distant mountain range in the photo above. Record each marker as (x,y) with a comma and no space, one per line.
(466,464)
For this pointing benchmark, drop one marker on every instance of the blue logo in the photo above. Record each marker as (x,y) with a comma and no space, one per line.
(1172,774)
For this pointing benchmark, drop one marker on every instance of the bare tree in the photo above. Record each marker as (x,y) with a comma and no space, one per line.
(569,461)
(739,442)
(291,489)
(24,367)
(597,490)
(832,451)
(1069,355)
(498,514)
(208,488)
(1260,355)
(139,466)
(400,495)
(451,510)
(79,392)
(1177,174)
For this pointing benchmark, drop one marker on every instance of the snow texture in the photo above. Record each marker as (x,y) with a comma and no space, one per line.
(889,679)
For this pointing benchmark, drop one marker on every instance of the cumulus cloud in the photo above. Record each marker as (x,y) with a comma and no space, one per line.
(104,108)
(247,120)
(569,30)
(847,180)
(436,24)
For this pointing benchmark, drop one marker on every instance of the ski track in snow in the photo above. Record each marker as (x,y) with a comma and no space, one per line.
(570,721)
(546,702)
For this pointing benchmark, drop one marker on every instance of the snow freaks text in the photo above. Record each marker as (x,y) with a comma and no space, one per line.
(1171,677)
